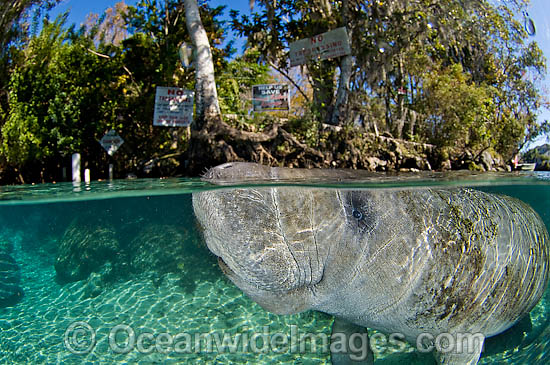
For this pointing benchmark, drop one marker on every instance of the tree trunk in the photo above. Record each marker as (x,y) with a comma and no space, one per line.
(338,113)
(386,90)
(345,76)
(206,96)
(400,100)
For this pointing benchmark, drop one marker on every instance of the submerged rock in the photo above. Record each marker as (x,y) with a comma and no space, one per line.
(116,241)
(10,277)
(159,248)
(85,247)
(94,252)
(95,284)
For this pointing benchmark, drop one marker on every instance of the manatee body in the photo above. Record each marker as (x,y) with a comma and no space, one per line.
(411,261)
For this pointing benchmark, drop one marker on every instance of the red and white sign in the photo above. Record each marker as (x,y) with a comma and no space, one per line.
(321,47)
(270,97)
(111,141)
(173,107)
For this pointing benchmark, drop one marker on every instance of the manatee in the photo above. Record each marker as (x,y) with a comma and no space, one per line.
(424,263)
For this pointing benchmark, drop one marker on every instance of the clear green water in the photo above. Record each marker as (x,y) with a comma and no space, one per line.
(100,262)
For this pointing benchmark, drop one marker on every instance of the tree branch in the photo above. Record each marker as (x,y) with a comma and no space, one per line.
(282,72)
(97,53)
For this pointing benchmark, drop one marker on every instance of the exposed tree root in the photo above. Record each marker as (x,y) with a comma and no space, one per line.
(290,138)
(218,142)
(226,143)
(262,153)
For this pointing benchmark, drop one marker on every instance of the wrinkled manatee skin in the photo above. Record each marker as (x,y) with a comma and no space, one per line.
(408,261)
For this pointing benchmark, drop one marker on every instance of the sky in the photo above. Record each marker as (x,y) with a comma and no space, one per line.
(538,11)
(80,8)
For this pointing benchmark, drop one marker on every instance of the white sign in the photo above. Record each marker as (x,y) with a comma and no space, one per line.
(173,107)
(111,142)
(270,97)
(321,47)
(186,55)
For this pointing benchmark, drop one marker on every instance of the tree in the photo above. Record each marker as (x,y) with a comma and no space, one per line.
(444,72)
(213,139)
(14,29)
(235,81)
(110,27)
(150,55)
(459,114)
(346,64)
(208,108)
(11,14)
(62,97)
(71,86)
(281,22)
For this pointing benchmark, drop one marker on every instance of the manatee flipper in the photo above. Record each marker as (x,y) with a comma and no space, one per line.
(467,355)
(350,344)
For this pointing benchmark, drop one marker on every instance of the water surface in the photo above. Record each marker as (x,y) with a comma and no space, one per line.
(116,272)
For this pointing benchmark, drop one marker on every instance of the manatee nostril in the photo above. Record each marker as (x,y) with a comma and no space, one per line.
(357,214)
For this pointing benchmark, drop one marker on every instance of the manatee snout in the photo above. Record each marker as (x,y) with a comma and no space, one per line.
(246,237)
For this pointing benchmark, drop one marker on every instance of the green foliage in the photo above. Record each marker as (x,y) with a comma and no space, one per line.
(235,84)
(306,129)
(471,54)
(275,25)
(14,16)
(459,112)
(58,97)
(67,88)
(540,154)
(15,19)
(150,56)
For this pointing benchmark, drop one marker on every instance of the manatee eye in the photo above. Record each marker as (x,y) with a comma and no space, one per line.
(357,214)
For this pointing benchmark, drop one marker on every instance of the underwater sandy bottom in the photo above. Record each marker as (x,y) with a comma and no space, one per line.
(52,324)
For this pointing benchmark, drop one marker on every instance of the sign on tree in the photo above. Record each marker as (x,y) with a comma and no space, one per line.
(270,97)
(320,47)
(173,107)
